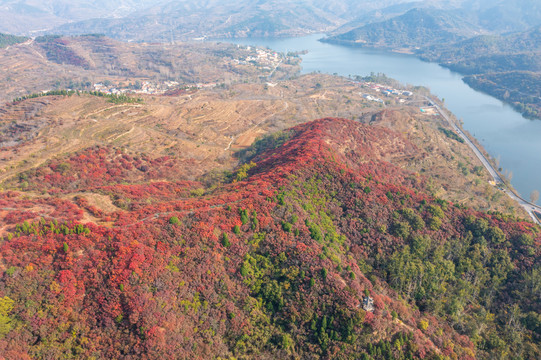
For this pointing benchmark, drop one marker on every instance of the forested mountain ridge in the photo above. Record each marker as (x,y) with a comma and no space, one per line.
(419,27)
(474,55)
(273,261)
(505,66)
(127,232)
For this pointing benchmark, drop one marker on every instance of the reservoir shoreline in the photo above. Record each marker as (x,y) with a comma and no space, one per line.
(503,132)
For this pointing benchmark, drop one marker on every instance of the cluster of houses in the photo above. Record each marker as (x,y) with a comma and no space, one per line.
(372,98)
(387,91)
(147,87)
(266,58)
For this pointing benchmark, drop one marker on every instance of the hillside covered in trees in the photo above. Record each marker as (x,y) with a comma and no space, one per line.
(273,260)
(505,66)
(416,28)
(6,40)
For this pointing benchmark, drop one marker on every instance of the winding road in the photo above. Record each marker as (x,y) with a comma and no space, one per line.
(530,208)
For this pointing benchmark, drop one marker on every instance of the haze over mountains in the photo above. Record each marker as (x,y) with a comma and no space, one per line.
(157,20)
(28,16)
(132,17)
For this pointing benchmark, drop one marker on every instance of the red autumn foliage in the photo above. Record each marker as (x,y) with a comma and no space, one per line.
(242,270)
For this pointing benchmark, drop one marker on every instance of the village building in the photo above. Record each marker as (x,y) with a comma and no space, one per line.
(368,304)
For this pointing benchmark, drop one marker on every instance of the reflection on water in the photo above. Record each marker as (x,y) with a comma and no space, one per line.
(503,132)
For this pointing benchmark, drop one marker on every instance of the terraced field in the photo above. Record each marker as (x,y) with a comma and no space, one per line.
(204,129)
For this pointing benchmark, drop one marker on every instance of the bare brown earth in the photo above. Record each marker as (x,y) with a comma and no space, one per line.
(207,127)
(204,127)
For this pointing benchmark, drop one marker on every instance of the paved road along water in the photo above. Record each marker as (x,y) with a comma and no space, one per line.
(503,132)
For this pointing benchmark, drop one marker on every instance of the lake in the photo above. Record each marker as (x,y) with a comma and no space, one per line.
(503,132)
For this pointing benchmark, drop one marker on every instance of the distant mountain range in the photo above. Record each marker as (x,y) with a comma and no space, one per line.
(184,19)
(212,18)
(159,20)
(503,16)
(377,15)
(495,16)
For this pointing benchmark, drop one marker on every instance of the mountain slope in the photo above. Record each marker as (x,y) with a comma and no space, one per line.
(28,16)
(416,28)
(506,66)
(184,20)
(188,19)
(505,16)
(375,16)
(274,263)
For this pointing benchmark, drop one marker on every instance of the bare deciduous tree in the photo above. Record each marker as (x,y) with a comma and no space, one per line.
(534,196)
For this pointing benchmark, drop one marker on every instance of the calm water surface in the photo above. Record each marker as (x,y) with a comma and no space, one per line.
(503,132)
